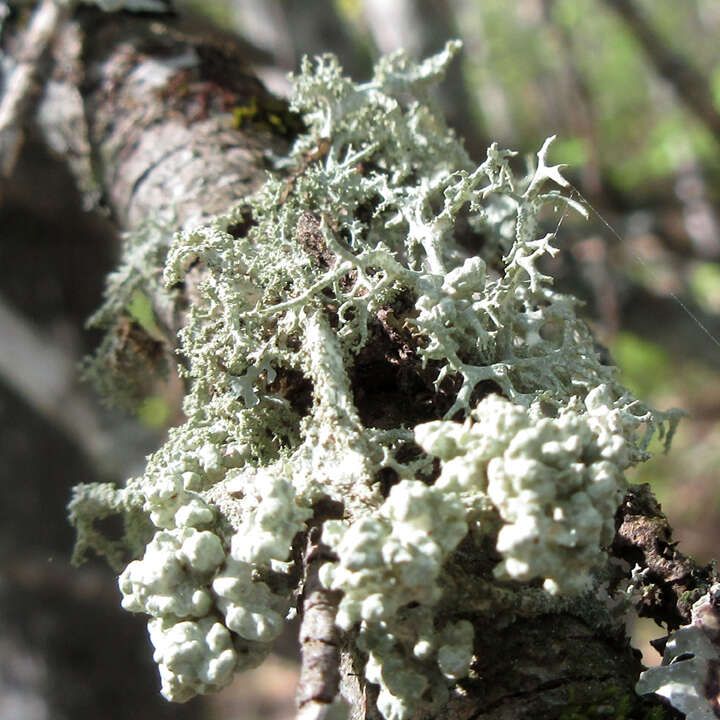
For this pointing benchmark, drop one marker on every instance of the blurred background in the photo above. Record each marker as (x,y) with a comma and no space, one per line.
(632,90)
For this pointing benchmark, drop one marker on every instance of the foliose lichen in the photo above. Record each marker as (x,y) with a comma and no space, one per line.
(347,343)
(688,675)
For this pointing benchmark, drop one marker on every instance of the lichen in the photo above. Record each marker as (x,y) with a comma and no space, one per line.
(193,657)
(688,675)
(133,351)
(340,341)
(555,481)
(172,575)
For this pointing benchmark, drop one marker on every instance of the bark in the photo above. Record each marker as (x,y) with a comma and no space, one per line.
(160,122)
(674,581)
(319,639)
(160,142)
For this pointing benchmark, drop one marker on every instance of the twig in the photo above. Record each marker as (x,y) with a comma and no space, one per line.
(320,669)
(24,86)
(687,82)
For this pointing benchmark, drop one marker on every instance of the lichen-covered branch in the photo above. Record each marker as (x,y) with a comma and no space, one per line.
(341,349)
(150,122)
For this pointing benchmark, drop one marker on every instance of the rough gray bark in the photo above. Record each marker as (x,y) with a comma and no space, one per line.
(160,123)
(161,144)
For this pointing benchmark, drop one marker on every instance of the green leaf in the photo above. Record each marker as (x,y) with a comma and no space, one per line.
(140,310)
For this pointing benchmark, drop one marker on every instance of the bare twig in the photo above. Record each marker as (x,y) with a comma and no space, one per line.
(320,669)
(687,82)
(24,86)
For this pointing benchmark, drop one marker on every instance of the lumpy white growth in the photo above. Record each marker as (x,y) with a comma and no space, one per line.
(393,557)
(171,577)
(250,608)
(555,481)
(193,656)
(557,496)
(268,531)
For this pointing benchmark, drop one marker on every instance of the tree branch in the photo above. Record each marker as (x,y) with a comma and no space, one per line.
(163,139)
(24,87)
(320,669)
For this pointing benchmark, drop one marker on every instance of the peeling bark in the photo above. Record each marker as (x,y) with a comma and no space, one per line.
(672,582)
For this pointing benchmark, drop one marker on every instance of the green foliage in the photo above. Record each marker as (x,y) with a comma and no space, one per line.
(705,283)
(646,367)
(139,308)
(574,65)
(154,412)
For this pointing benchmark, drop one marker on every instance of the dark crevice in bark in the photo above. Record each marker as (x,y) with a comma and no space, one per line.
(311,240)
(559,683)
(390,384)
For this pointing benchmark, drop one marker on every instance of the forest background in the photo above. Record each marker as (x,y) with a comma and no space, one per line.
(632,89)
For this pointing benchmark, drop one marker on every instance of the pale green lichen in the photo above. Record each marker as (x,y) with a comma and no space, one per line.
(172,575)
(393,557)
(687,676)
(339,341)
(193,657)
(555,481)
